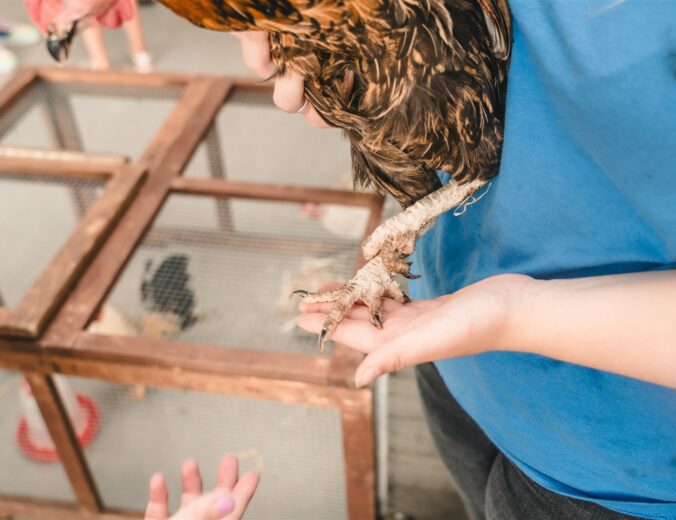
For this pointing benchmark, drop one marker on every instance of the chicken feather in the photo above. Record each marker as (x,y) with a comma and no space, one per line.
(428,94)
(429,78)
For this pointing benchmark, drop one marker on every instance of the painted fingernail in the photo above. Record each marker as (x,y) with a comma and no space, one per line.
(225,505)
(367,376)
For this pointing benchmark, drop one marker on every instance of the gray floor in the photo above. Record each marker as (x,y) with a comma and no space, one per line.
(278,148)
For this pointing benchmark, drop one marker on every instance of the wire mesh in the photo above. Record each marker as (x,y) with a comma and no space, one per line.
(253,140)
(37,215)
(220,271)
(297,448)
(22,471)
(95,118)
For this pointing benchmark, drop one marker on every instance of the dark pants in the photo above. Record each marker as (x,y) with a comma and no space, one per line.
(492,487)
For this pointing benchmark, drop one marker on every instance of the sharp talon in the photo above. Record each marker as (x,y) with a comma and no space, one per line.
(323,339)
(299,291)
(410,276)
(377,320)
(406,298)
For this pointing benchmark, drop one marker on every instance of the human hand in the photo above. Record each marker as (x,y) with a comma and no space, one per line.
(227,501)
(472,320)
(289,90)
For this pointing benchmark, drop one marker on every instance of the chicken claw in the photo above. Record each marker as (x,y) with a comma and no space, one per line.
(369,285)
(386,250)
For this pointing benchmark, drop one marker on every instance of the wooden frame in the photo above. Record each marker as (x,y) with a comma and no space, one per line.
(65,347)
(37,305)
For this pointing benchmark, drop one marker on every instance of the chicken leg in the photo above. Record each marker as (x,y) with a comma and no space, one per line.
(385,251)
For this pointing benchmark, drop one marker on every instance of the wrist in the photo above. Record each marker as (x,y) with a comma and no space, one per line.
(520,295)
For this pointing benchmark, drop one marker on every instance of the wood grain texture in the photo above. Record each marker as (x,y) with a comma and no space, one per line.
(67,162)
(60,429)
(292,392)
(111,77)
(36,307)
(165,158)
(358,446)
(16,87)
(24,507)
(273,192)
(64,348)
(210,359)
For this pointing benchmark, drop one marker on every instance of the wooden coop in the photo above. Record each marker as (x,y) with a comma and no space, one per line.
(145,313)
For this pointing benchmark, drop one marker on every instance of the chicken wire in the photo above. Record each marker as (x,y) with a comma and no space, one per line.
(93,118)
(297,448)
(19,474)
(220,271)
(37,215)
(252,140)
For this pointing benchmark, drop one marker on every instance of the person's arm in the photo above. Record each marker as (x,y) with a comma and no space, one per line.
(621,323)
(624,324)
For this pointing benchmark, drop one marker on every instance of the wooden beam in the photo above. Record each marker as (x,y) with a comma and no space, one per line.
(16,87)
(114,78)
(358,447)
(33,157)
(67,446)
(41,300)
(202,358)
(166,157)
(243,385)
(24,507)
(22,356)
(273,192)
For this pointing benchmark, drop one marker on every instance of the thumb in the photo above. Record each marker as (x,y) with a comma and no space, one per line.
(404,351)
(214,505)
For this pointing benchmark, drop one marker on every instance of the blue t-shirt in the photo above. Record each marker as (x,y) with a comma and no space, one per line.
(587,186)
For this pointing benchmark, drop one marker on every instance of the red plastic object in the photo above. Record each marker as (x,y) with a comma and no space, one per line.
(45,454)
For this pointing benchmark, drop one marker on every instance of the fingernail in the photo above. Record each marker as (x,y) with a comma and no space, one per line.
(225,505)
(368,375)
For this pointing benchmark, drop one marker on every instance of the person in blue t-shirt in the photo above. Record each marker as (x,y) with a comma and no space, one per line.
(549,306)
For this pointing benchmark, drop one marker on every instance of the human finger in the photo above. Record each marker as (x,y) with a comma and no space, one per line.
(228,471)
(158,499)
(427,338)
(312,116)
(256,52)
(356,334)
(191,482)
(243,493)
(289,92)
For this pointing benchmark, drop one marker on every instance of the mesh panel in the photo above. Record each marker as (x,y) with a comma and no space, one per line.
(19,474)
(221,271)
(255,141)
(144,430)
(37,215)
(94,118)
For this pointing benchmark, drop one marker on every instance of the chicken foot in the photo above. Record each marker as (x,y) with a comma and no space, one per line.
(386,250)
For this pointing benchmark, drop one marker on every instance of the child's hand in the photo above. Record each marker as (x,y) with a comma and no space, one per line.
(228,500)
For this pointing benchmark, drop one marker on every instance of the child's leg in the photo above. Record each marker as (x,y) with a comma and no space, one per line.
(8,61)
(139,54)
(96,48)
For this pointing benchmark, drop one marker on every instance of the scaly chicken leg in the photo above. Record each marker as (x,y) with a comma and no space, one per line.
(386,249)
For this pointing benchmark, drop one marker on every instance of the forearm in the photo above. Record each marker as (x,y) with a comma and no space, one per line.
(622,323)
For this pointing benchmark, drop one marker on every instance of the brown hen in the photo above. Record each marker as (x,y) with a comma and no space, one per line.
(428,95)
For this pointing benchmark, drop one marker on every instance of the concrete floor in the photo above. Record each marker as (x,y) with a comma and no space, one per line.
(417,482)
